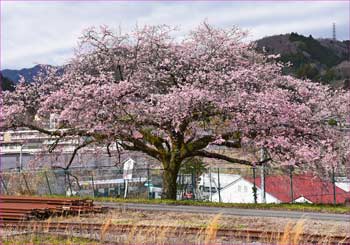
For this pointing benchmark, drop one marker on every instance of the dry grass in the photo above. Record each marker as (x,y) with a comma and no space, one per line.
(158,232)
(292,234)
(105,227)
(203,220)
(211,230)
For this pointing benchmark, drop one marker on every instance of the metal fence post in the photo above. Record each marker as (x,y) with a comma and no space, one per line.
(21,158)
(183,185)
(4,185)
(93,184)
(262,176)
(193,183)
(255,196)
(219,185)
(291,183)
(210,190)
(69,183)
(65,181)
(148,183)
(47,182)
(125,188)
(334,189)
(25,181)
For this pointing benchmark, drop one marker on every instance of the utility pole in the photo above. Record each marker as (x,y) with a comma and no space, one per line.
(334,32)
(262,175)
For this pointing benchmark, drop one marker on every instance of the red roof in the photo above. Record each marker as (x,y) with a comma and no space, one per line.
(309,186)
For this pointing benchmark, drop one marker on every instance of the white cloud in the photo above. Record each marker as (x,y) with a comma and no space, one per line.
(47,32)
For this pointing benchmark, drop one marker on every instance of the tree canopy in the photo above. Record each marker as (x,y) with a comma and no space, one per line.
(170,98)
(6,84)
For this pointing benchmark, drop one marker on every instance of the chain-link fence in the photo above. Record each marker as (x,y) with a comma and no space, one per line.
(230,185)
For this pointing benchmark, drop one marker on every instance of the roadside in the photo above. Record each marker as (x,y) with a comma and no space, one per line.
(228,211)
(301,207)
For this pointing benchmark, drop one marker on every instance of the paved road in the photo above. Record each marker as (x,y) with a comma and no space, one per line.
(229,211)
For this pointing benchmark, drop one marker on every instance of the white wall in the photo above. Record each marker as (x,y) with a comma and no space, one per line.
(302,200)
(225,179)
(343,183)
(241,192)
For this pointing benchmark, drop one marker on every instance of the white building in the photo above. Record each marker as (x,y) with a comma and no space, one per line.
(241,191)
(212,180)
(302,199)
(343,183)
(307,188)
(209,183)
(20,148)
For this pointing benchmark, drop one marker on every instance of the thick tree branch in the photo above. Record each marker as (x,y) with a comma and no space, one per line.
(61,132)
(230,144)
(221,157)
(204,141)
(53,145)
(138,145)
(108,150)
(76,151)
(154,140)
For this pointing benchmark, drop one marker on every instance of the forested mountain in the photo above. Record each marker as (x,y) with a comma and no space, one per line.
(27,73)
(324,60)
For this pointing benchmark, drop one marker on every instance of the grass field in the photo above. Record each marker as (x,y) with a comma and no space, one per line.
(35,238)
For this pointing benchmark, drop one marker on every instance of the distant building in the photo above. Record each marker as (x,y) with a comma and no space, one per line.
(241,191)
(212,180)
(306,188)
(343,183)
(19,147)
(25,148)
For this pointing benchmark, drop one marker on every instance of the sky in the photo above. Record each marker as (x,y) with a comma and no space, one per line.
(38,32)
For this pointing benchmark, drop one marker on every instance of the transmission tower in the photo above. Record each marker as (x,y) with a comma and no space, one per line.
(334,34)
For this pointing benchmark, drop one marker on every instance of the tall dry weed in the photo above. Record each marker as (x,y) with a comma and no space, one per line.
(162,236)
(131,235)
(211,230)
(292,234)
(105,227)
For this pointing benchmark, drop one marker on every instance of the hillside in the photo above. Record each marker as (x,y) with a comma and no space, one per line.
(322,60)
(27,73)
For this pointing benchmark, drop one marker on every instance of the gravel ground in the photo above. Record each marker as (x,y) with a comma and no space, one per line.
(209,222)
(202,220)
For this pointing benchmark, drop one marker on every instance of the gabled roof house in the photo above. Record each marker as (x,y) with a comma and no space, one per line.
(306,188)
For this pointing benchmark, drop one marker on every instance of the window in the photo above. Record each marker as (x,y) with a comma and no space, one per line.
(239,188)
(245,188)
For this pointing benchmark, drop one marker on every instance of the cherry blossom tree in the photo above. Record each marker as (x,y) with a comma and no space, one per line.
(171,99)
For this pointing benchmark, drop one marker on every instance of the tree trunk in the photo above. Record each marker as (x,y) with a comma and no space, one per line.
(169,184)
